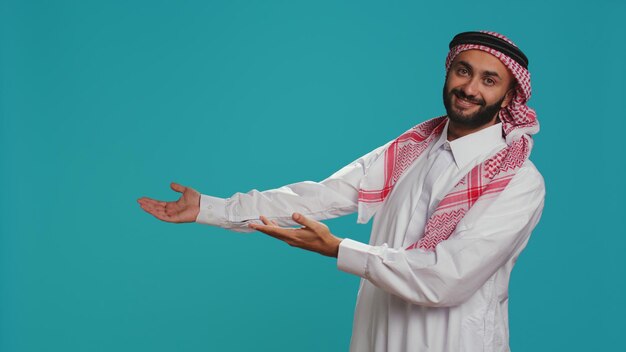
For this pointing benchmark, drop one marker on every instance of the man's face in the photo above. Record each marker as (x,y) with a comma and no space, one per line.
(477,87)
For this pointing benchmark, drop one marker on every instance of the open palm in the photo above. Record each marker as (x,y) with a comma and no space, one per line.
(185,209)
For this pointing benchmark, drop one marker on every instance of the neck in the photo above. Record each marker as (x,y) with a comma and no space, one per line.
(456,130)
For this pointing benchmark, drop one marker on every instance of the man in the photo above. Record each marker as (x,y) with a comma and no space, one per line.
(455,200)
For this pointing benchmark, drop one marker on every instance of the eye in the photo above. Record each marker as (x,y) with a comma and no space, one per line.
(462,71)
(489,81)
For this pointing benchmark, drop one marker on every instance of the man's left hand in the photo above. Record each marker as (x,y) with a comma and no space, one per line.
(313,235)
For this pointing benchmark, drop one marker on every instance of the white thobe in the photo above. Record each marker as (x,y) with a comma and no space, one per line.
(454,298)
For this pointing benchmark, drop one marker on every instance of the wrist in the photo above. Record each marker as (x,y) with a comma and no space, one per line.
(211,211)
(335,246)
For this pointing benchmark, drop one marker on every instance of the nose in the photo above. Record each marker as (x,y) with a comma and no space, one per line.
(470,88)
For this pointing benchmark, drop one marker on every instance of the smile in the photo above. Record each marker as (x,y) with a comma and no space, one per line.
(460,102)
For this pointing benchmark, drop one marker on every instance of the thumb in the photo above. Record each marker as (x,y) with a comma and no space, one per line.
(178,188)
(303,220)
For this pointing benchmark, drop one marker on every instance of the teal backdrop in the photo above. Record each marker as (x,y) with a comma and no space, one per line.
(103,102)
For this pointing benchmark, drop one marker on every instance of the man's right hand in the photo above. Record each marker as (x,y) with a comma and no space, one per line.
(185,209)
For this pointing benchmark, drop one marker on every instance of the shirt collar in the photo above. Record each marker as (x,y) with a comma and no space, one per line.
(467,148)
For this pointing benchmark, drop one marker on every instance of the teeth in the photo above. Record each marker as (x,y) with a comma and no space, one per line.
(465,101)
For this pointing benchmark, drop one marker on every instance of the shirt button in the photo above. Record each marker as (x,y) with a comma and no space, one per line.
(209,206)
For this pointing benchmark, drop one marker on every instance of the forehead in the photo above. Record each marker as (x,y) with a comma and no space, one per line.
(483,61)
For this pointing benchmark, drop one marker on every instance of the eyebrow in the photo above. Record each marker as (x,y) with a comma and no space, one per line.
(486,73)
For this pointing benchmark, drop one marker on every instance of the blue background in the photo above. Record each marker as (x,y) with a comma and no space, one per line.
(103,102)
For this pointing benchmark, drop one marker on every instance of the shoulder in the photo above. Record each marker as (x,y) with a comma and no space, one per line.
(529,178)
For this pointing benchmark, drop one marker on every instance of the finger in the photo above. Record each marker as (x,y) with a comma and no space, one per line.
(146,200)
(153,203)
(303,220)
(157,212)
(267,221)
(146,205)
(177,187)
(274,231)
(152,209)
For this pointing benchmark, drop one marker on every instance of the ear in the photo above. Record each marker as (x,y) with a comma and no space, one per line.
(508,97)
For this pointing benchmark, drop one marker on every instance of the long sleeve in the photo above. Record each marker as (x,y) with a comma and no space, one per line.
(335,196)
(490,235)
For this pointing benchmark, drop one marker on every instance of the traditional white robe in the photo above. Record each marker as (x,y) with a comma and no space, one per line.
(452,299)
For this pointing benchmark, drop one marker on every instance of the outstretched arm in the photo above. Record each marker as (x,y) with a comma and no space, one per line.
(335,196)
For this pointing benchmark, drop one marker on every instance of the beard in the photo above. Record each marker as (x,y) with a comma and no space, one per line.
(483,116)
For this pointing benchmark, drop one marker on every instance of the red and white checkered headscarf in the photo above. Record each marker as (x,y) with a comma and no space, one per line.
(484,181)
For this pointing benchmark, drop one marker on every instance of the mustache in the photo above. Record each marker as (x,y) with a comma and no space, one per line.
(460,94)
